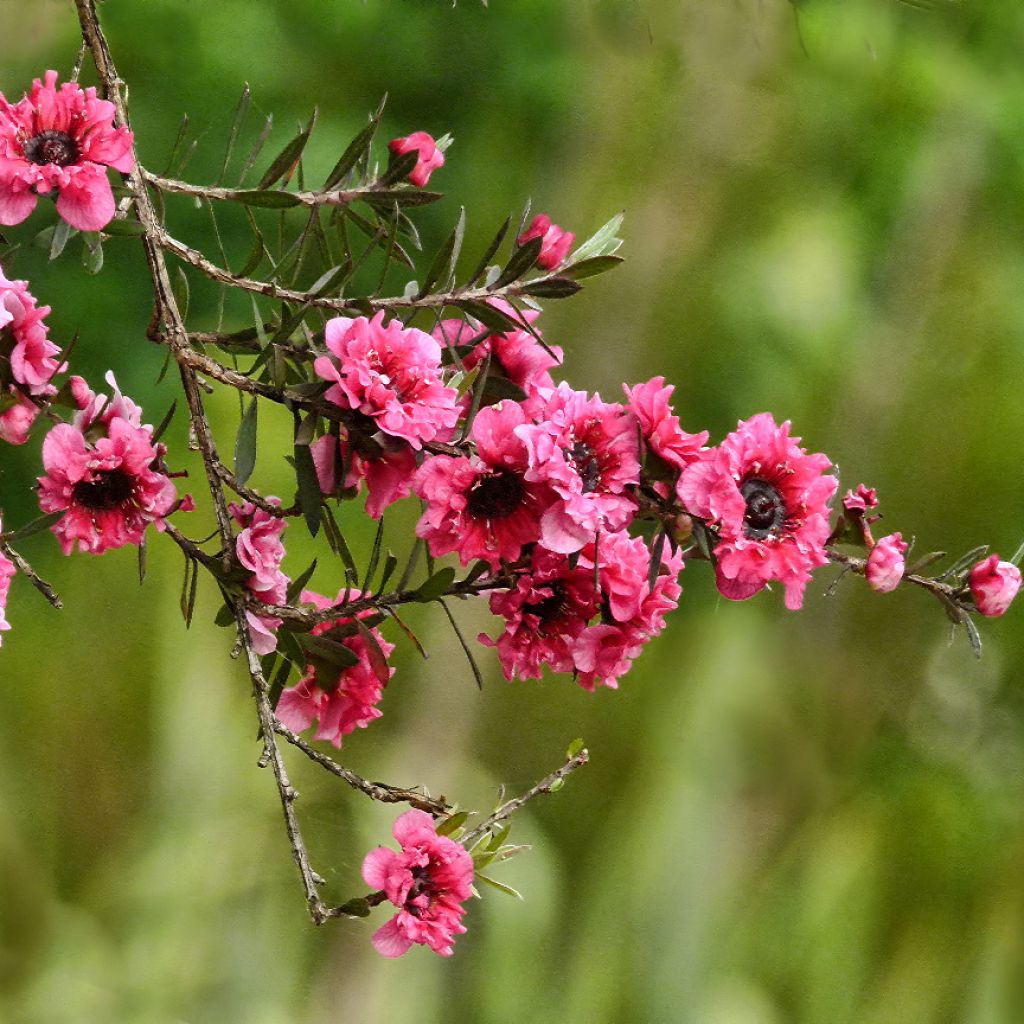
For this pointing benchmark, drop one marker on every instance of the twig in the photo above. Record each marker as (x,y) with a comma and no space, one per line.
(32,576)
(507,809)
(943,591)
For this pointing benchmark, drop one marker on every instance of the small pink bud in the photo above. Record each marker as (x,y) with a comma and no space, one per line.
(860,500)
(430,157)
(994,585)
(885,566)
(556,242)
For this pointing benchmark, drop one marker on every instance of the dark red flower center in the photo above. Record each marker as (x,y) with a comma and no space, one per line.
(496,495)
(51,147)
(548,608)
(422,885)
(107,491)
(587,464)
(766,510)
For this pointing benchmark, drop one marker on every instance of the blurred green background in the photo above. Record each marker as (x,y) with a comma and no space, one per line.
(814,818)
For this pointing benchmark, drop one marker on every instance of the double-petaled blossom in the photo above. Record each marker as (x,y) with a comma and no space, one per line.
(106,474)
(7,571)
(768,500)
(340,699)
(428,880)
(994,585)
(545,612)
(260,550)
(555,244)
(391,375)
(27,359)
(885,564)
(482,506)
(60,142)
(429,156)
(860,500)
(387,465)
(586,451)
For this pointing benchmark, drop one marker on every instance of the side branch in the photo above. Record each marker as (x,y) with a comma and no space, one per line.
(32,576)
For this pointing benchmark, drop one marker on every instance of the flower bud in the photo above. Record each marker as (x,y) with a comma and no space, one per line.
(994,585)
(555,244)
(885,566)
(430,157)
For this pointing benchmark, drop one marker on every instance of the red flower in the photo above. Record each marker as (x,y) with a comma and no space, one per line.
(994,585)
(430,157)
(556,241)
(885,565)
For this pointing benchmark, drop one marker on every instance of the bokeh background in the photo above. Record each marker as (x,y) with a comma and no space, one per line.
(814,818)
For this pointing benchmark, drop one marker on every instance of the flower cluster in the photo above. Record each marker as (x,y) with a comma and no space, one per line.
(260,551)
(339,690)
(60,142)
(428,881)
(27,360)
(105,473)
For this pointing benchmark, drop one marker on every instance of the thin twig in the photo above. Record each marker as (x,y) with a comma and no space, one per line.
(32,576)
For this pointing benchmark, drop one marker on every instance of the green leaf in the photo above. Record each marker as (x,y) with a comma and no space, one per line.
(34,527)
(297,585)
(357,148)
(437,586)
(308,487)
(240,111)
(500,886)
(182,292)
(574,748)
(552,288)
(446,258)
(164,423)
(657,548)
(603,242)
(124,228)
(92,252)
(268,198)
(489,252)
(523,259)
(331,652)
(452,822)
(390,564)
(357,907)
(474,668)
(399,168)
(973,635)
(377,658)
(590,268)
(225,616)
(285,162)
(62,231)
(245,443)
(403,196)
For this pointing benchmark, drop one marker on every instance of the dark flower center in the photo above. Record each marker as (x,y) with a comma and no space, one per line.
(587,465)
(496,496)
(548,608)
(422,884)
(51,148)
(766,511)
(106,492)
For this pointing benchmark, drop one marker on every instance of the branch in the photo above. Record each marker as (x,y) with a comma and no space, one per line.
(32,576)
(943,591)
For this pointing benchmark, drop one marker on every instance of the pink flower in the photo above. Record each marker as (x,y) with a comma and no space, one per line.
(769,500)
(430,157)
(650,403)
(586,451)
(60,142)
(110,485)
(860,500)
(7,571)
(391,374)
(27,363)
(387,465)
(545,612)
(994,585)
(556,242)
(482,506)
(341,699)
(259,549)
(428,881)
(885,565)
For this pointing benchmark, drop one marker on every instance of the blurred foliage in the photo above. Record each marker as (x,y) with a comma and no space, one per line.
(789,819)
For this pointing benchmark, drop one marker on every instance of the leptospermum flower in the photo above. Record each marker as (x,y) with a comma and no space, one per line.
(860,500)
(586,450)
(994,585)
(556,242)
(482,506)
(60,142)
(7,572)
(885,565)
(27,363)
(428,880)
(387,465)
(105,473)
(769,500)
(339,699)
(259,549)
(430,158)
(391,374)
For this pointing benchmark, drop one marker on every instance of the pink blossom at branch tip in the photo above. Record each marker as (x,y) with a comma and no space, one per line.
(7,571)
(341,699)
(259,549)
(586,451)
(769,500)
(428,880)
(860,500)
(430,157)
(482,506)
(110,485)
(994,585)
(388,469)
(885,565)
(27,360)
(95,408)
(651,404)
(390,374)
(556,241)
(60,142)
